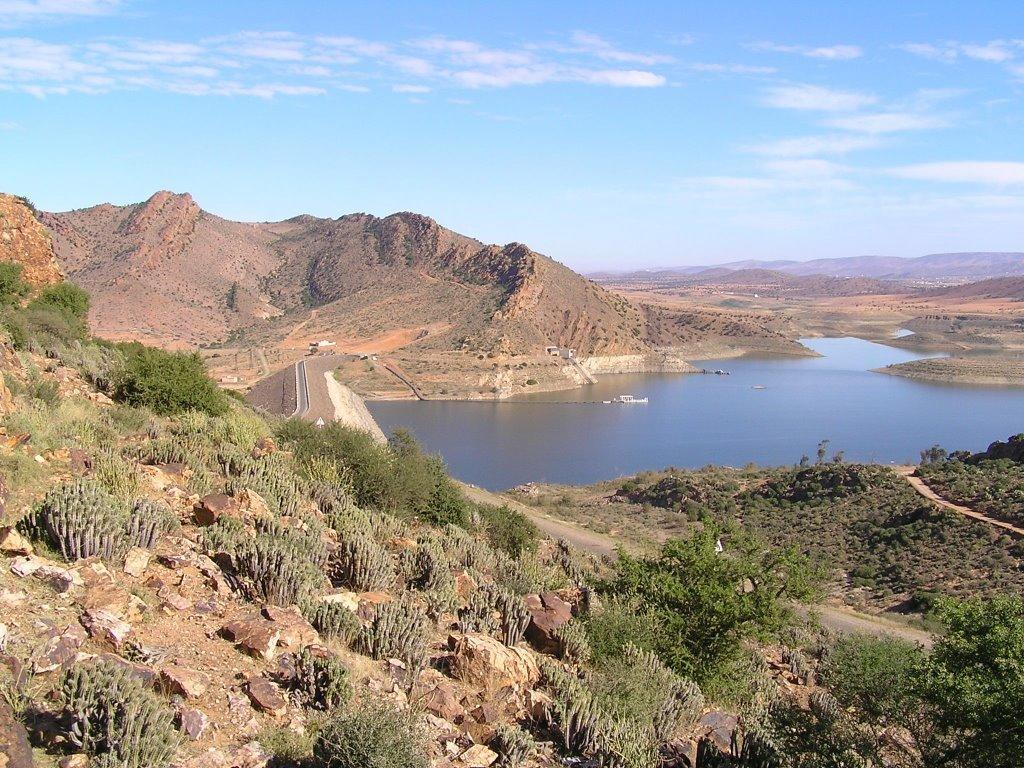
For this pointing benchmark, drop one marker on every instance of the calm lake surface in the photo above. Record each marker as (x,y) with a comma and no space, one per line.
(693,420)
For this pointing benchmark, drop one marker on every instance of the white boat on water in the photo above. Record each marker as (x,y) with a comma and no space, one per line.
(629,399)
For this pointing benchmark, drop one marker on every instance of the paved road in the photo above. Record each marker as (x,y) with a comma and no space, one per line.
(301,390)
(922,488)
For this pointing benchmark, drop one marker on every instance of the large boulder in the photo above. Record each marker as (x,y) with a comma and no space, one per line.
(484,661)
(548,612)
(15,751)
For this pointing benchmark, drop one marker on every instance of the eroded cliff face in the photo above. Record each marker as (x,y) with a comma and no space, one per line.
(25,241)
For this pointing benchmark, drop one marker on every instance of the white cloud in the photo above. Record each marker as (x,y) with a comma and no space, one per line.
(623,78)
(406,88)
(997,51)
(887,122)
(830,52)
(271,63)
(17,12)
(816,98)
(994,51)
(731,69)
(994,173)
(595,45)
(810,146)
(806,168)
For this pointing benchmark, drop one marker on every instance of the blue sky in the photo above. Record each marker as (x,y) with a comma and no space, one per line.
(605,134)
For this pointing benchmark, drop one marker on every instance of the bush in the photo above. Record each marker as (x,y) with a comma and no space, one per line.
(372,735)
(12,288)
(872,674)
(707,603)
(117,717)
(508,529)
(167,383)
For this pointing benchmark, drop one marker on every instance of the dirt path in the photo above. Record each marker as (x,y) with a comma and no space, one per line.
(835,617)
(551,527)
(922,488)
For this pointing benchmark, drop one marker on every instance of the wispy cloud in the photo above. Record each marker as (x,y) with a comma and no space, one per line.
(888,122)
(731,69)
(811,146)
(816,98)
(1008,54)
(830,52)
(595,45)
(992,173)
(17,12)
(272,63)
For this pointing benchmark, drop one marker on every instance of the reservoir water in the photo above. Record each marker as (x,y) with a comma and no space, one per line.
(693,420)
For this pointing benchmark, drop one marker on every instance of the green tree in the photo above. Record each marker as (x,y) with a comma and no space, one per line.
(707,602)
(973,684)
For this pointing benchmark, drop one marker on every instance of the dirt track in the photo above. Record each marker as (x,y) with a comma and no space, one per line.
(922,488)
(835,617)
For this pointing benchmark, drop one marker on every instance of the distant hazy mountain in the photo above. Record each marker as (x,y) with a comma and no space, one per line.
(936,266)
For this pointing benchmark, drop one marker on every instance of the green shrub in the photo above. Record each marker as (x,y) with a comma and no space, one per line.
(372,735)
(12,288)
(508,529)
(117,718)
(874,675)
(166,382)
(66,298)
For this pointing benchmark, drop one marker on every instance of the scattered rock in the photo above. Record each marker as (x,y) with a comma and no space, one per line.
(264,447)
(13,543)
(717,726)
(212,507)
(74,761)
(251,755)
(106,627)
(136,561)
(176,561)
(60,648)
(536,703)
(3,637)
(349,599)
(548,612)
(442,701)
(465,585)
(172,600)
(256,637)
(296,632)
(192,722)
(265,696)
(251,503)
(9,599)
(176,679)
(482,660)
(478,756)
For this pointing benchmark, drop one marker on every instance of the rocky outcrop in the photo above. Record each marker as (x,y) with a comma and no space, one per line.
(25,241)
(15,751)
(653,362)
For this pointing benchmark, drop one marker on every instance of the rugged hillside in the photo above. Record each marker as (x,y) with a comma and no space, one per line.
(773,283)
(24,241)
(169,272)
(996,288)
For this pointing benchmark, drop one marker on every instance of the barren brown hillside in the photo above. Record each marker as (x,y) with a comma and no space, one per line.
(166,271)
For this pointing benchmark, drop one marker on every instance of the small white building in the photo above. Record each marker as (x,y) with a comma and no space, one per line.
(319,346)
(563,352)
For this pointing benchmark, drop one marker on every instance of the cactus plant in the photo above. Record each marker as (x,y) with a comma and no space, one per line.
(117,717)
(276,570)
(513,744)
(361,563)
(321,680)
(332,620)
(82,520)
(148,521)
(492,608)
(398,630)
(573,643)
